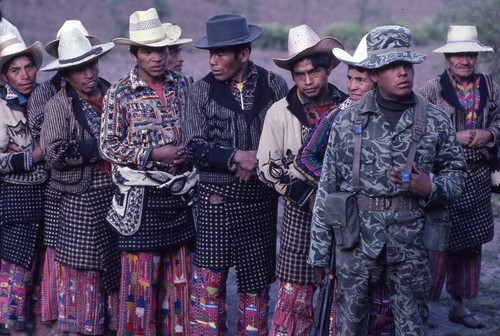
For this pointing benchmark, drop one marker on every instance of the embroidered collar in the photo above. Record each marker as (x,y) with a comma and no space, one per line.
(13,94)
(137,82)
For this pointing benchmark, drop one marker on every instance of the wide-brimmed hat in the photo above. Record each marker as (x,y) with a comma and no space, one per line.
(303,42)
(224,30)
(359,54)
(146,30)
(11,46)
(167,26)
(389,44)
(462,39)
(75,49)
(51,47)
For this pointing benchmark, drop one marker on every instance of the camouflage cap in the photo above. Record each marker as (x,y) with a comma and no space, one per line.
(389,44)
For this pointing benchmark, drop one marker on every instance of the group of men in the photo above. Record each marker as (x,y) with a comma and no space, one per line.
(142,194)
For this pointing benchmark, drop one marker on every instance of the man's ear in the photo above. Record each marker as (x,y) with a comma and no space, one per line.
(373,75)
(133,56)
(5,78)
(244,55)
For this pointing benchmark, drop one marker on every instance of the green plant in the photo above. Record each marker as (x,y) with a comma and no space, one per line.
(349,33)
(274,37)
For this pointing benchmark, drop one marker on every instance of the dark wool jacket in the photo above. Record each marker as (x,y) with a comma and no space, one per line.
(214,125)
(67,143)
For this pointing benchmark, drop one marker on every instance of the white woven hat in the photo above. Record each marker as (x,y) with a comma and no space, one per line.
(11,46)
(167,26)
(359,54)
(302,42)
(462,39)
(51,47)
(74,49)
(146,30)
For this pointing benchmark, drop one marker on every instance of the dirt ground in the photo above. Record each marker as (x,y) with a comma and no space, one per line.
(486,307)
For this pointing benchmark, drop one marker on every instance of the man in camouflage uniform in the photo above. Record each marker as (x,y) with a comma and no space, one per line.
(391,219)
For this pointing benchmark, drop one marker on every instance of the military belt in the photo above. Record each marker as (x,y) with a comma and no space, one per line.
(393,204)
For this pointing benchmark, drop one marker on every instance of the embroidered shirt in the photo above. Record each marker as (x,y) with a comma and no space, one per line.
(135,121)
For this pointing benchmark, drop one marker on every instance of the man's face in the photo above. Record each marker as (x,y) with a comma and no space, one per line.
(358,83)
(83,78)
(152,63)
(21,75)
(311,81)
(225,65)
(462,64)
(175,59)
(395,80)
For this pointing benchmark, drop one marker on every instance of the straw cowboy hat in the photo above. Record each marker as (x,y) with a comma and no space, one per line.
(75,49)
(167,26)
(51,47)
(303,42)
(462,39)
(225,30)
(359,54)
(389,44)
(11,46)
(146,30)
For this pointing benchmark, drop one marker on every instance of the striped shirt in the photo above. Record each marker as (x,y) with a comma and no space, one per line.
(309,159)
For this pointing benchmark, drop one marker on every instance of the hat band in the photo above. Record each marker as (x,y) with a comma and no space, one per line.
(9,42)
(388,51)
(96,51)
(461,41)
(145,25)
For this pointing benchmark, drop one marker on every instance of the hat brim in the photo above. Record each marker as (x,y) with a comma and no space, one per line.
(325,45)
(378,61)
(345,57)
(255,33)
(36,51)
(462,47)
(51,47)
(57,65)
(181,41)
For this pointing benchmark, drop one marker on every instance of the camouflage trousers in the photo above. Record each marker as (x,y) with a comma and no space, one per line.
(357,279)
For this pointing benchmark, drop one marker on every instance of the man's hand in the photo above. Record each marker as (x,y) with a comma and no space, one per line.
(246,164)
(169,154)
(322,272)
(420,183)
(37,155)
(477,138)
(11,148)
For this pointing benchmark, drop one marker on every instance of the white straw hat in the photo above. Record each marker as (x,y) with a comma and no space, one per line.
(51,47)
(359,55)
(74,49)
(11,46)
(302,42)
(146,30)
(462,39)
(167,26)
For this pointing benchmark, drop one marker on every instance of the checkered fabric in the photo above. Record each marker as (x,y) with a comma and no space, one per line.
(240,232)
(84,239)
(51,209)
(471,215)
(294,246)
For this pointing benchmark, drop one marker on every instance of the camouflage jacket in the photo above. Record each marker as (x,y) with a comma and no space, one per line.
(439,155)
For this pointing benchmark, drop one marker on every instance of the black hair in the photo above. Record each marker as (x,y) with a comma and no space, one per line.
(5,67)
(134,49)
(236,49)
(67,71)
(318,60)
(357,68)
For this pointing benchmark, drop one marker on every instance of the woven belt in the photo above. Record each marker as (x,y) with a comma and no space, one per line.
(394,203)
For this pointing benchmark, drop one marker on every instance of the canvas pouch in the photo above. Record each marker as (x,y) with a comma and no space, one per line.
(341,212)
